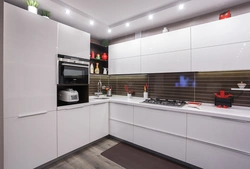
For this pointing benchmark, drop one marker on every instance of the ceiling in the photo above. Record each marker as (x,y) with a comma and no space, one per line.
(113,14)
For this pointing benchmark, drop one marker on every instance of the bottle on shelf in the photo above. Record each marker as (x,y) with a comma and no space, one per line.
(97,70)
(91,68)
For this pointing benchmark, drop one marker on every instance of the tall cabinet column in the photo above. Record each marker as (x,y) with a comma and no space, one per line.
(1,84)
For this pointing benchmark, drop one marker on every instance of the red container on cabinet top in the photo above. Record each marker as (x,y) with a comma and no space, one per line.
(104,56)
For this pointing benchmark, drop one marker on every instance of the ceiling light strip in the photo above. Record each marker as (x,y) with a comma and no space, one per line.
(65,5)
(146,13)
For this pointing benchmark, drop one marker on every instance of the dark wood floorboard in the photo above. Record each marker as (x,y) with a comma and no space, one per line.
(88,158)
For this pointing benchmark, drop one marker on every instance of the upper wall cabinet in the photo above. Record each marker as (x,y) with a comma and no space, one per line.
(167,42)
(227,31)
(73,42)
(125,49)
(29,62)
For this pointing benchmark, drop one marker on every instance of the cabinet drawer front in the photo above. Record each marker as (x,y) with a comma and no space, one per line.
(29,142)
(167,42)
(122,112)
(232,30)
(166,62)
(165,121)
(121,130)
(226,57)
(212,157)
(223,132)
(163,143)
(73,129)
(125,49)
(125,66)
(99,121)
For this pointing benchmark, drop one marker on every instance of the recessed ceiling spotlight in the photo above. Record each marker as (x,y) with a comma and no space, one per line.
(109,30)
(181,6)
(127,24)
(91,22)
(67,11)
(245,44)
(150,17)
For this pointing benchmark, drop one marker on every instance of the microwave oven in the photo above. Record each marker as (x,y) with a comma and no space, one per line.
(72,70)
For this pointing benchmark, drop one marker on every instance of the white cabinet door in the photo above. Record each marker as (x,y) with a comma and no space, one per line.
(225,57)
(73,129)
(99,121)
(170,122)
(166,62)
(131,65)
(125,49)
(167,42)
(212,157)
(29,141)
(121,130)
(167,144)
(29,62)
(223,132)
(226,31)
(122,112)
(73,42)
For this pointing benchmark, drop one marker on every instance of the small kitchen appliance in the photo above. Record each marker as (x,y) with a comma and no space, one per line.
(68,95)
(165,102)
(223,100)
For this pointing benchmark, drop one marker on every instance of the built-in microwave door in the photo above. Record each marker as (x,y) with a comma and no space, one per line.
(73,73)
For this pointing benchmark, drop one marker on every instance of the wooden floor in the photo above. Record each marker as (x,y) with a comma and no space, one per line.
(88,158)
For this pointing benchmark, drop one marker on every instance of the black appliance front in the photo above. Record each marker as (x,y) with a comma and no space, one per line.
(73,71)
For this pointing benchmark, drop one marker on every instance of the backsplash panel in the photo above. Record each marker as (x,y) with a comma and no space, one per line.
(189,86)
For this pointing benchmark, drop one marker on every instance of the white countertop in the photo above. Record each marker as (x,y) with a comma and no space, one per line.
(235,112)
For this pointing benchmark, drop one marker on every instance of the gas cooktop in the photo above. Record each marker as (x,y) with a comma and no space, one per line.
(165,102)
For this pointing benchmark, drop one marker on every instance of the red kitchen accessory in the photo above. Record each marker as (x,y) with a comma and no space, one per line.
(222,94)
(92,54)
(225,15)
(104,56)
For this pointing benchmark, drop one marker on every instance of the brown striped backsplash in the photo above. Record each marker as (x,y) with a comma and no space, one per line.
(191,86)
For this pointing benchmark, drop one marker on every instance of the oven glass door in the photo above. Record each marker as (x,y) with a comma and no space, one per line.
(73,74)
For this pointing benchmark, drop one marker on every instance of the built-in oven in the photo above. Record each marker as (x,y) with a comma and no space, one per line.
(72,70)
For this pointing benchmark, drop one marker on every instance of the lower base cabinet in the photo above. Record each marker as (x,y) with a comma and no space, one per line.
(99,121)
(167,144)
(29,141)
(73,129)
(121,130)
(213,157)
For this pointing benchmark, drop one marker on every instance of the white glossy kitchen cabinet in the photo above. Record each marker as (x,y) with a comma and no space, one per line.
(125,49)
(221,58)
(211,157)
(29,62)
(29,141)
(166,121)
(131,65)
(73,129)
(121,130)
(228,133)
(226,31)
(166,42)
(122,112)
(73,42)
(166,144)
(99,121)
(166,62)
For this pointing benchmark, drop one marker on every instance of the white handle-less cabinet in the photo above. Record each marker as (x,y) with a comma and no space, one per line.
(30,141)
(161,131)
(121,121)
(124,58)
(29,62)
(221,32)
(99,121)
(73,42)
(166,62)
(72,129)
(168,42)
